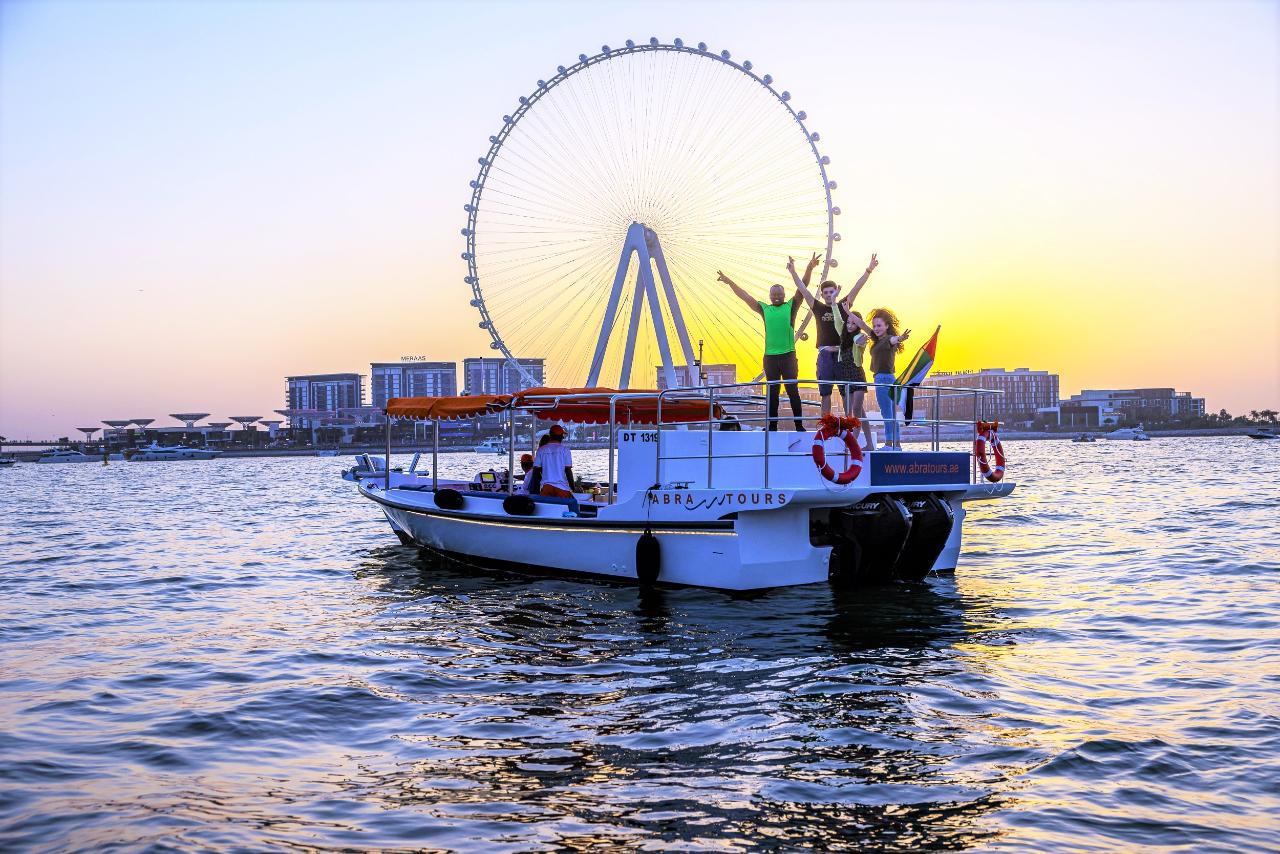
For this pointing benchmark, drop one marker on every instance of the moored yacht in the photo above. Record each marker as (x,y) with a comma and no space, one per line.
(156,452)
(66,455)
(692,499)
(1136,434)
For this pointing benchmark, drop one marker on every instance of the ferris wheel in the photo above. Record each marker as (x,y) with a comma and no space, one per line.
(626,181)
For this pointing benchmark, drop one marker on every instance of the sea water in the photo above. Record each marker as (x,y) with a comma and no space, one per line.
(238,654)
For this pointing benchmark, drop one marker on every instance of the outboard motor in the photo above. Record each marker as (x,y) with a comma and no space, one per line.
(931,521)
(869,537)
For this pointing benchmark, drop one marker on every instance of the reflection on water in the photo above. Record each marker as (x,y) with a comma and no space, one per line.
(239,655)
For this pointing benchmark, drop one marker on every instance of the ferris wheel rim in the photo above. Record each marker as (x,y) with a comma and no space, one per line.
(564,73)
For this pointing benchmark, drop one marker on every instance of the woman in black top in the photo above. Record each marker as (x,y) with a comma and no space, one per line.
(839,346)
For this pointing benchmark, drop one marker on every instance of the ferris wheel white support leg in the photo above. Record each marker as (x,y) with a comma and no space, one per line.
(677,316)
(637,302)
(635,235)
(659,327)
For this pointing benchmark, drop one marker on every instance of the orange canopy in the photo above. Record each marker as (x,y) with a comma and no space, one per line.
(591,406)
(578,405)
(445,408)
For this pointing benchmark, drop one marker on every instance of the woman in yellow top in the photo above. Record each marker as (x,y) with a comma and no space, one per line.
(779,315)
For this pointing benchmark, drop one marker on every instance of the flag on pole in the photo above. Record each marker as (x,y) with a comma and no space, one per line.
(916,371)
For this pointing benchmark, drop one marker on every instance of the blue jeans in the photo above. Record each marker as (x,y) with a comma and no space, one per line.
(888,409)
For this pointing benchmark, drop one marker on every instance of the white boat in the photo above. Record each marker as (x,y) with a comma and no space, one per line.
(156,452)
(8,462)
(1263,433)
(1135,434)
(1084,437)
(492,446)
(373,466)
(67,455)
(692,504)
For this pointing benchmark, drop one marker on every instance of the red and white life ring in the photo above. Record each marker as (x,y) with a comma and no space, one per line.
(845,429)
(987,435)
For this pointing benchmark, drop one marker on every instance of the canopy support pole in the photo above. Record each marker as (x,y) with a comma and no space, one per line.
(386,483)
(511,451)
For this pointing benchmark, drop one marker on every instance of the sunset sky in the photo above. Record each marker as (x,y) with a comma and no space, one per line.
(197,199)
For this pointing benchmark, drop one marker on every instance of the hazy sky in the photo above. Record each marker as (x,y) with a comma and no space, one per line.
(197,199)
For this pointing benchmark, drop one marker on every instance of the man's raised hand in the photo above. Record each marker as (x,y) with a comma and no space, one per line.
(721,277)
(814,261)
(874,263)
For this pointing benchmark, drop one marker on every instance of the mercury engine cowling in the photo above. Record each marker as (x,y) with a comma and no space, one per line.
(931,522)
(868,539)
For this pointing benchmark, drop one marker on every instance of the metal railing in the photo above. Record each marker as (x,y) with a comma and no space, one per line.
(746,399)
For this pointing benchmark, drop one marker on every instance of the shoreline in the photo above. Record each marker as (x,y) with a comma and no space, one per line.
(1010,436)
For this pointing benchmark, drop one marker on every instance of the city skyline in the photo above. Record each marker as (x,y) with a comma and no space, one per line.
(177,230)
(1026,391)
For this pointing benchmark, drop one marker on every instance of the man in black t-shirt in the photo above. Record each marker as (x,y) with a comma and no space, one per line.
(839,350)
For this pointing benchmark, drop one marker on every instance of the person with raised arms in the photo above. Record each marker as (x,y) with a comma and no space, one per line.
(886,343)
(840,350)
(779,315)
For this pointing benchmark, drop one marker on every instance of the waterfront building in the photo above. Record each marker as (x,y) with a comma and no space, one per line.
(325,391)
(495,375)
(687,376)
(411,379)
(1025,393)
(1096,407)
(312,397)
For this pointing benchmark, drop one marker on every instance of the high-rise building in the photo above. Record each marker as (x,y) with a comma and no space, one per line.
(687,375)
(1024,392)
(325,391)
(412,379)
(495,375)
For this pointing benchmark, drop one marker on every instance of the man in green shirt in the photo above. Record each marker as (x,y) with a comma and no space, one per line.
(779,315)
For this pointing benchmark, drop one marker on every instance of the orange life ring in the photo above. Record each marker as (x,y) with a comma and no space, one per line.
(987,435)
(845,429)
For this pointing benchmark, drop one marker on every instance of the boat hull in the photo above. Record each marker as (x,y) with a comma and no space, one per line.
(754,550)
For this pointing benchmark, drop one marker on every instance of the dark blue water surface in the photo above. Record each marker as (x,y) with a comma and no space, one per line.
(238,655)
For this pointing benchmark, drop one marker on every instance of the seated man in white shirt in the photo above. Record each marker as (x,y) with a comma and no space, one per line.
(526,466)
(554,464)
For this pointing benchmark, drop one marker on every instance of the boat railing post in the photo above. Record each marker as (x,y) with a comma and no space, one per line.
(435,452)
(657,456)
(711,417)
(973,461)
(386,483)
(767,425)
(937,413)
(613,411)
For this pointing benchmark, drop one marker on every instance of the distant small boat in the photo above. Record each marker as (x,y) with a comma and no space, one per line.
(156,452)
(1264,433)
(1084,437)
(327,452)
(491,446)
(7,462)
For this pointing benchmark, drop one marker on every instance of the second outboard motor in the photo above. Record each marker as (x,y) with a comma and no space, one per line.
(931,521)
(869,539)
